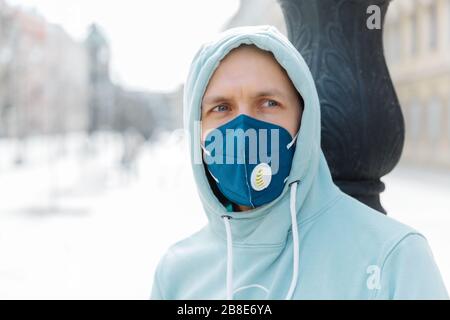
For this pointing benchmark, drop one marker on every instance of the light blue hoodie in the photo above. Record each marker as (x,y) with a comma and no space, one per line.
(313,241)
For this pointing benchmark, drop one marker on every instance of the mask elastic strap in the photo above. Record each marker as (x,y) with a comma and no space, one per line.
(204,149)
(293,140)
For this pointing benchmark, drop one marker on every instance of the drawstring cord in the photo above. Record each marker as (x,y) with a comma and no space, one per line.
(226,220)
(295,241)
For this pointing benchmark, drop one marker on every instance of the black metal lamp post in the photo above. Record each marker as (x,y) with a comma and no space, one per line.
(362,124)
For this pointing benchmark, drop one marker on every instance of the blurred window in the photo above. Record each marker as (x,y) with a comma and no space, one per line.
(414,121)
(448,119)
(433,25)
(414,34)
(434,120)
(448,19)
(394,38)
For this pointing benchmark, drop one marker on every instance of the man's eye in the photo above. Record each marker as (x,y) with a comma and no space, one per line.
(220,108)
(271,103)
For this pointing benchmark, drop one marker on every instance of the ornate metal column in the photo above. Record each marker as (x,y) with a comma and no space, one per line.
(362,124)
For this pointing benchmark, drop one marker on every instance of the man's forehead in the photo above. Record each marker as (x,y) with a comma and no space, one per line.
(257,77)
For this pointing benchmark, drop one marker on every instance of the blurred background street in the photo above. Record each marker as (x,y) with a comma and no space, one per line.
(92,155)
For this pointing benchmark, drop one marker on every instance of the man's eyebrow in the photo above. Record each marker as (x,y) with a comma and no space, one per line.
(262,93)
(213,99)
(269,93)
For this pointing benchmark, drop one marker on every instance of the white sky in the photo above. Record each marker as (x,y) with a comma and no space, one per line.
(152,41)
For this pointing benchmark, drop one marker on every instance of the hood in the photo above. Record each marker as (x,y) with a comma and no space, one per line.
(268,224)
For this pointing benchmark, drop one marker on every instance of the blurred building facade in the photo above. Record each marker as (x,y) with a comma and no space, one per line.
(101,88)
(176,111)
(417,47)
(43,72)
(250,12)
(50,83)
(113,107)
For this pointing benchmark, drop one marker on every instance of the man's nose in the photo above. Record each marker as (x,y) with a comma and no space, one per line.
(246,108)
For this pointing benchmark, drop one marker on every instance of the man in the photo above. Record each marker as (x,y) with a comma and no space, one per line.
(277,225)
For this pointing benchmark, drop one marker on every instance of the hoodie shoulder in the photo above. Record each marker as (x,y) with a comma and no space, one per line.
(359,231)
(409,271)
(182,255)
(360,218)
(394,254)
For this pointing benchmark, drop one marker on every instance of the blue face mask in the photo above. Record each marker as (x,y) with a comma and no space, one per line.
(249,160)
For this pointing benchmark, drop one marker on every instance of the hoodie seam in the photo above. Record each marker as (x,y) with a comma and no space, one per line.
(387,255)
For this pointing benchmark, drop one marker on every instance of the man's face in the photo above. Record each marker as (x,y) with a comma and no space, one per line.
(250,81)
